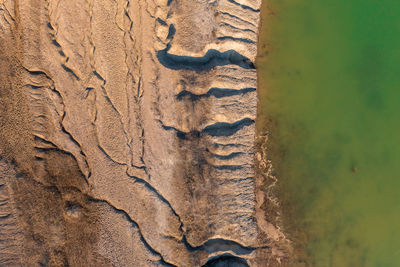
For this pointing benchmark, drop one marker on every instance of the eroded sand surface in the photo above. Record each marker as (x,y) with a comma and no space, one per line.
(127,134)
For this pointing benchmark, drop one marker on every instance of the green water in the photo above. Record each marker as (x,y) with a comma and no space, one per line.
(329,75)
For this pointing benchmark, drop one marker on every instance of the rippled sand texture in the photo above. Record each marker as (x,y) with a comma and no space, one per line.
(127,134)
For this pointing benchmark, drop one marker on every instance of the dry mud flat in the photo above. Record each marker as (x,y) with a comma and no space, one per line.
(127,135)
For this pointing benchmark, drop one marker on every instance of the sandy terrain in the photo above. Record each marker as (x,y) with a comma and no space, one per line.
(127,135)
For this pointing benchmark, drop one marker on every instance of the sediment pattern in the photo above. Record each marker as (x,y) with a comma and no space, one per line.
(141,126)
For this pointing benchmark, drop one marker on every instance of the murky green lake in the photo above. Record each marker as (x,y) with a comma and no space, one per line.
(330,95)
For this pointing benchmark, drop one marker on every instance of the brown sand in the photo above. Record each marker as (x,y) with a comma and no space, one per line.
(127,134)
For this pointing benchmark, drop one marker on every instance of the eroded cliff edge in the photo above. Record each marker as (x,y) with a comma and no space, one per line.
(127,134)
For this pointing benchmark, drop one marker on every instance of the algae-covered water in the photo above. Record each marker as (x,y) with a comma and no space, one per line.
(329,74)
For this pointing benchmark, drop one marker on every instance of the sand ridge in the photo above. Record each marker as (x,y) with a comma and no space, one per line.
(141,126)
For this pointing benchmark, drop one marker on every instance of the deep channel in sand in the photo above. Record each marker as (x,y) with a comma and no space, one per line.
(329,95)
